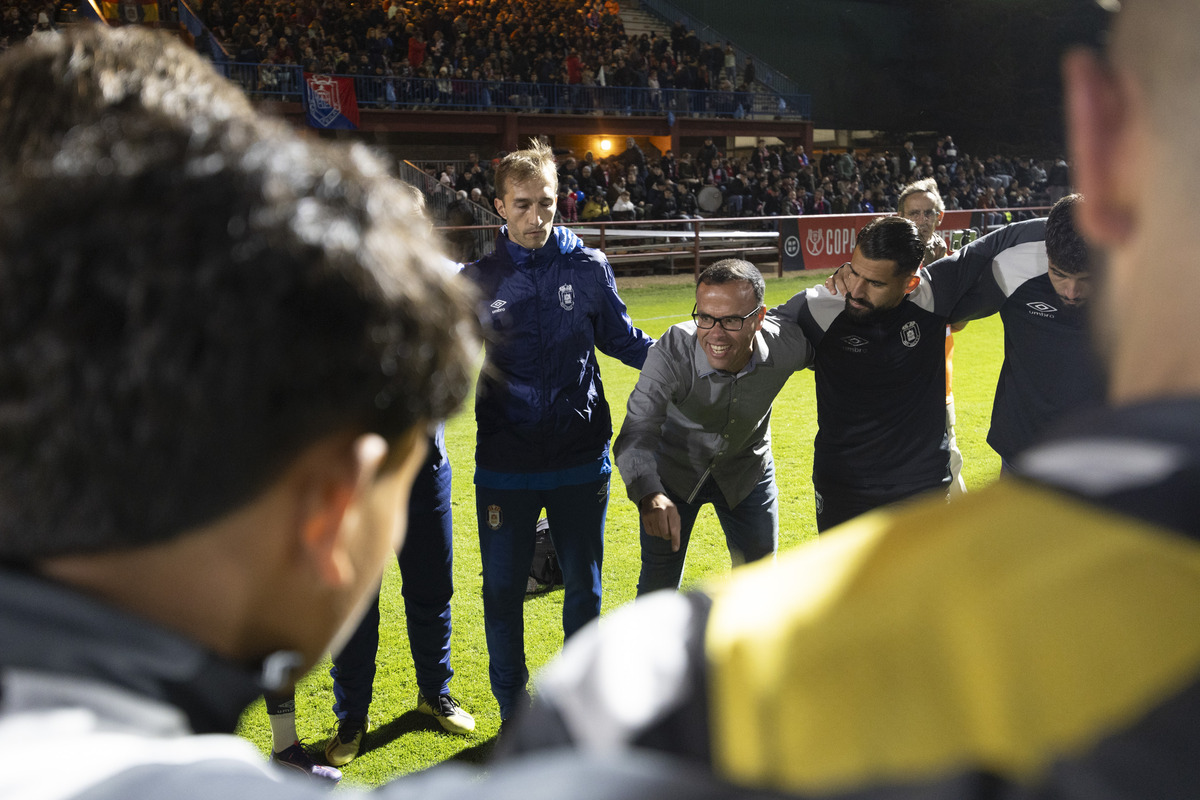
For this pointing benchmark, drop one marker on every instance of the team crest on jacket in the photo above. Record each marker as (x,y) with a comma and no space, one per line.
(494,518)
(910,334)
(566,296)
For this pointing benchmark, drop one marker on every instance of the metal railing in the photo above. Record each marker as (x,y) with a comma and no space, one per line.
(670,245)
(285,82)
(206,43)
(466,243)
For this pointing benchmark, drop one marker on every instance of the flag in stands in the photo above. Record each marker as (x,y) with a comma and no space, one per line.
(330,102)
(133,13)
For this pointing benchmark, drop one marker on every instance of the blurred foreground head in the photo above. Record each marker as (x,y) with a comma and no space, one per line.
(1132,113)
(192,298)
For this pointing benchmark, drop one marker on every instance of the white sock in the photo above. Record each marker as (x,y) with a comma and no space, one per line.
(283,724)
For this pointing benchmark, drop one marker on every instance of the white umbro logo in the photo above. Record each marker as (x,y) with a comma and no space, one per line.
(1042,308)
(499,304)
(854,341)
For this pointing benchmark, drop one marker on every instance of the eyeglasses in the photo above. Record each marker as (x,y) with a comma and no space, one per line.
(929,213)
(728,323)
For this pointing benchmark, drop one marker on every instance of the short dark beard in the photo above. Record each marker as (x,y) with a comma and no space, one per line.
(1076,306)
(870,314)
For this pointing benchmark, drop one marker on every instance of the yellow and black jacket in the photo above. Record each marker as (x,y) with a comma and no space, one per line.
(1033,639)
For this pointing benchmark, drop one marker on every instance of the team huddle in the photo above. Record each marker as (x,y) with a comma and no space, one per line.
(697,429)
(225,349)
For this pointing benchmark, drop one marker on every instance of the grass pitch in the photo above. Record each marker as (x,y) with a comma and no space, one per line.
(403,741)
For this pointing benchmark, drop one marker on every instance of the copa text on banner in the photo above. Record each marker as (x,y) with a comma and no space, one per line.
(826,241)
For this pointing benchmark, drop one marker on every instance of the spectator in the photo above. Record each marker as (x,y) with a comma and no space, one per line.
(624,209)
(633,157)
(749,74)
(707,153)
(568,205)
(416,50)
(818,204)
(1059,180)
(596,208)
(729,61)
(791,205)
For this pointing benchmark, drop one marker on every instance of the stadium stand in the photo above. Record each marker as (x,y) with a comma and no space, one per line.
(571,57)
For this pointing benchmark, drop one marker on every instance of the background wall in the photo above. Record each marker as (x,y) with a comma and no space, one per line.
(980,70)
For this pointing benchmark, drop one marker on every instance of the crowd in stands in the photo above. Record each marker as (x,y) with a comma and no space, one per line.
(582,45)
(471,53)
(778,181)
(20,18)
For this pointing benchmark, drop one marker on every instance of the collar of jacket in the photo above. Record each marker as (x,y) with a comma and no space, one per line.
(52,628)
(523,256)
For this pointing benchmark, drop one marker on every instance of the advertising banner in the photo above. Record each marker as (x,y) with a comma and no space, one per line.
(821,241)
(826,241)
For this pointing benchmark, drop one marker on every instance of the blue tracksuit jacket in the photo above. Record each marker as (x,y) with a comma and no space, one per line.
(540,403)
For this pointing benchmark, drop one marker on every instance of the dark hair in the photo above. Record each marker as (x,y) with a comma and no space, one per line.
(187,301)
(1065,248)
(893,239)
(55,82)
(730,270)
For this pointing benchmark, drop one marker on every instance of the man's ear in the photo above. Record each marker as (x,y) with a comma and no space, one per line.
(500,208)
(337,481)
(913,283)
(1098,120)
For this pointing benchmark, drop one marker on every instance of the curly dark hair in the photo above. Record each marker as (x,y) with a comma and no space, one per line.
(187,301)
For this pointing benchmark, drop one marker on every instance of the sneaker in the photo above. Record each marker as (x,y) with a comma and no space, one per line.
(448,712)
(297,758)
(344,745)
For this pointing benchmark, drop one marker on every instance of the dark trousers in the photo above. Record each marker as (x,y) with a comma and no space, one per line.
(837,503)
(751,530)
(426,569)
(507,522)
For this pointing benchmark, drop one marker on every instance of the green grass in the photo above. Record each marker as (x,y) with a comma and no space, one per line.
(403,741)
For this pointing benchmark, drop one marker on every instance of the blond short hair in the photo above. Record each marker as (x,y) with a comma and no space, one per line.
(536,161)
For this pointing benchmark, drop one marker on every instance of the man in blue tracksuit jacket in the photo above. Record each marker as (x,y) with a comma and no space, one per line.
(543,421)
